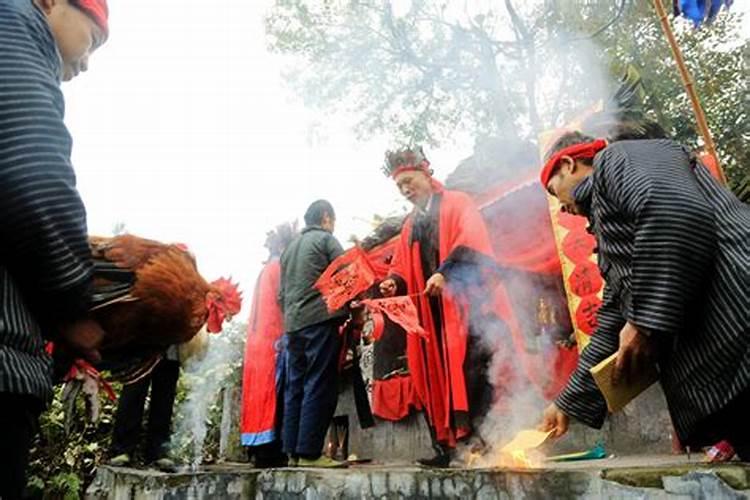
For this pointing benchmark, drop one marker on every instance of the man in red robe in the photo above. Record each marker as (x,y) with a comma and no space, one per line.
(263,372)
(442,260)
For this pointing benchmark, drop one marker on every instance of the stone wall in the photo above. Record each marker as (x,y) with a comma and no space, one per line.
(241,482)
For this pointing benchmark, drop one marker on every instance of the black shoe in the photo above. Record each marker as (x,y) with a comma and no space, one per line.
(439,461)
(271,462)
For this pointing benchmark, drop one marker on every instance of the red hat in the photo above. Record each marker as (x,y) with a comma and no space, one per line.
(582,151)
(96,10)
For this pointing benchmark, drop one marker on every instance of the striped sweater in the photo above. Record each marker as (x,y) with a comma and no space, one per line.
(674,249)
(45,266)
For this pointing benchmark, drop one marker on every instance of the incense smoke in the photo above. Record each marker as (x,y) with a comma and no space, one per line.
(206,375)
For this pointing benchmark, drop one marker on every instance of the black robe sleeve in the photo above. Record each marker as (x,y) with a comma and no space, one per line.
(581,398)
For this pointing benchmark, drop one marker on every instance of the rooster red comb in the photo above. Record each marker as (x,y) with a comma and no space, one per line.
(231,294)
(96,10)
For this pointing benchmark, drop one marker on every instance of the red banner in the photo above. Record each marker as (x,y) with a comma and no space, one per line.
(575,246)
(346,277)
(400,310)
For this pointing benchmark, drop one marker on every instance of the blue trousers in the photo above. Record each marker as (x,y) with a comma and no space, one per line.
(311,391)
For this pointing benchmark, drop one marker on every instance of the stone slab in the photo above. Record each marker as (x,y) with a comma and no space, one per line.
(657,477)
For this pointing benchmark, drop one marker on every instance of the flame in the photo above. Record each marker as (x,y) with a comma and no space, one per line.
(520,459)
(472,459)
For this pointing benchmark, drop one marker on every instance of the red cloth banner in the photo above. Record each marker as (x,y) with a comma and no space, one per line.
(346,277)
(400,310)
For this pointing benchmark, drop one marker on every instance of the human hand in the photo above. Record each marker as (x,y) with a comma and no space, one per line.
(388,287)
(553,419)
(635,354)
(435,285)
(82,338)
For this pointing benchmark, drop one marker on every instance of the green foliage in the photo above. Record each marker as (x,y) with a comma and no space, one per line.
(717,59)
(506,69)
(62,465)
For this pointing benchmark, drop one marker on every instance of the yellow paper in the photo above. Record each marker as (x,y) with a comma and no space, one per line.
(619,396)
(526,440)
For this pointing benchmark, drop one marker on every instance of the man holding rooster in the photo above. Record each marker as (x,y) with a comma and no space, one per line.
(45,262)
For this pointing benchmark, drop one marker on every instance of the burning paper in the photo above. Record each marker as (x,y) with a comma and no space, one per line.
(520,451)
(527,439)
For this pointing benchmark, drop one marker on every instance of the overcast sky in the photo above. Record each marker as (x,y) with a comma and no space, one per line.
(185,131)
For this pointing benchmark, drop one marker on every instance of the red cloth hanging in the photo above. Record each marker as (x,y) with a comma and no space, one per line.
(265,327)
(401,311)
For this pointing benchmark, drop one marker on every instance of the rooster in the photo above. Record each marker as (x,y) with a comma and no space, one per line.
(149,295)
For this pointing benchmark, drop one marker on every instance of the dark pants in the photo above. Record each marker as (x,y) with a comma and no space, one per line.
(127,431)
(479,391)
(731,424)
(19,421)
(311,393)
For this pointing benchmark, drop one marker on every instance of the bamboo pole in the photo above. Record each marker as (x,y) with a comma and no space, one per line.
(687,80)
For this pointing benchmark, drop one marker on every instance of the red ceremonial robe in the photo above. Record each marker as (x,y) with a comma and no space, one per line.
(437,365)
(266,325)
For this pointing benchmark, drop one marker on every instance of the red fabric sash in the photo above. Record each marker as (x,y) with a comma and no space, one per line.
(584,151)
(423,166)
(393,398)
(98,11)
(259,372)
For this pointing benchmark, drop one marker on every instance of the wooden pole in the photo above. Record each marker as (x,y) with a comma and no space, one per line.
(687,80)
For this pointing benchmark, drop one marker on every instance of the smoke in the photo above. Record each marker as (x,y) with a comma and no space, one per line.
(522,349)
(571,80)
(429,71)
(205,375)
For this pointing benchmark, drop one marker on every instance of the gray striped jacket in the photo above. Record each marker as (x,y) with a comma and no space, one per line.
(674,250)
(45,266)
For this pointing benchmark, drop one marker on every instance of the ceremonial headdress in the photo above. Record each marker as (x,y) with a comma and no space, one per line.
(405,160)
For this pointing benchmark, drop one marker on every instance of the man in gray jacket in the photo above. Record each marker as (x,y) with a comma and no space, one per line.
(312,339)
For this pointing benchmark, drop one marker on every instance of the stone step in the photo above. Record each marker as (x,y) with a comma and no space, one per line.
(657,477)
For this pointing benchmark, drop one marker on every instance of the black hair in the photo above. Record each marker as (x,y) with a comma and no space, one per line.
(317,210)
(569,139)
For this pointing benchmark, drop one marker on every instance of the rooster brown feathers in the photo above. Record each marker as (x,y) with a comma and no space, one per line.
(149,295)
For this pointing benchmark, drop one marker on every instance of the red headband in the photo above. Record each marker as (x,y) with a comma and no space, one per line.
(423,166)
(582,151)
(97,10)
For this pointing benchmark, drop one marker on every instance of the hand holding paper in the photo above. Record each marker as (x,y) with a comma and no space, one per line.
(617,396)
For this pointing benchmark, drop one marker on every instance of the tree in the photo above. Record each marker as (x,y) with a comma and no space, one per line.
(505,69)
